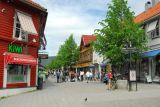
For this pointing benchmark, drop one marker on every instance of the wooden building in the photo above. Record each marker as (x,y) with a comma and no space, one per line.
(22,24)
(86,52)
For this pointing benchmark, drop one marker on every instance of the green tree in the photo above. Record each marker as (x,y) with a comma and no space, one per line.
(118,30)
(67,55)
(70,52)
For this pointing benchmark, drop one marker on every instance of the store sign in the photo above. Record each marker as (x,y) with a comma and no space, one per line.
(14,48)
(132,75)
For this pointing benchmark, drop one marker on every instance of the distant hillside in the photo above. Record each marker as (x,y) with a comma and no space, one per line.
(45,62)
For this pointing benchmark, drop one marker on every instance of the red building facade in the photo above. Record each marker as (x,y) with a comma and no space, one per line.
(22,24)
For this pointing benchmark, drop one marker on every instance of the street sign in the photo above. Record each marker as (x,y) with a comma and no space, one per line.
(132,75)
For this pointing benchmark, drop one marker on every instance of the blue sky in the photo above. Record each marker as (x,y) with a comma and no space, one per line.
(76,16)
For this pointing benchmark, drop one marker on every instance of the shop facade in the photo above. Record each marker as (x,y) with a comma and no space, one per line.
(148,66)
(21,29)
(89,60)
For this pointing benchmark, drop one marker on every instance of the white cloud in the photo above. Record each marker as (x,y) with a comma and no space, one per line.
(75,16)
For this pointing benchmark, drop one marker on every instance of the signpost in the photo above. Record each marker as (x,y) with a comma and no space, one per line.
(132,73)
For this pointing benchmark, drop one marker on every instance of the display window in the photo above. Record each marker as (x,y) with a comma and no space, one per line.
(145,66)
(157,73)
(17,73)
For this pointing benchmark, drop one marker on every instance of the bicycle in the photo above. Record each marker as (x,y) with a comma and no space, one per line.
(114,83)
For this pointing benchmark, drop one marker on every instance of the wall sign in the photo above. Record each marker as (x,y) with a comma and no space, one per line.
(14,48)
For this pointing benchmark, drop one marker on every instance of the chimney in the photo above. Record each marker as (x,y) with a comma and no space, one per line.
(154,2)
(147,5)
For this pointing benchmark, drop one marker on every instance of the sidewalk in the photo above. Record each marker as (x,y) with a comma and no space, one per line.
(72,94)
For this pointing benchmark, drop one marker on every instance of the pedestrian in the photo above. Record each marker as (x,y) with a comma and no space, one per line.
(82,75)
(106,80)
(109,80)
(58,76)
(88,76)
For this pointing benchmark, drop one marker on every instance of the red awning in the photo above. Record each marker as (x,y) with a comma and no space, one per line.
(13,58)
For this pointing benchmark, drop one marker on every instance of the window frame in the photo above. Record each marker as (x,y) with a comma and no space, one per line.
(153,34)
(20,38)
(19,70)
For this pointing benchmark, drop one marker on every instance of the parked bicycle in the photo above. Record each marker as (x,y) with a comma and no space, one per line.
(114,84)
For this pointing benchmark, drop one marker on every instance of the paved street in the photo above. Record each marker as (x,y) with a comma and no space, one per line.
(72,94)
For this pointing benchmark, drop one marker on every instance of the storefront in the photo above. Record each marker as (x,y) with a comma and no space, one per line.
(17,70)
(150,66)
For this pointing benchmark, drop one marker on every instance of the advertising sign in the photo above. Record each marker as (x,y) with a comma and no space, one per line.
(132,75)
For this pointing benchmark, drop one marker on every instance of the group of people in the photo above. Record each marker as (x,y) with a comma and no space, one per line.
(61,76)
(89,76)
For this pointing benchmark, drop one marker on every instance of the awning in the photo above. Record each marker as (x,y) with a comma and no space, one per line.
(151,53)
(27,23)
(104,63)
(152,26)
(13,58)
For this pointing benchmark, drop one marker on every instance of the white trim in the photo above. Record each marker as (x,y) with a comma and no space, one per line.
(37,73)
(14,30)
(29,76)
(5,76)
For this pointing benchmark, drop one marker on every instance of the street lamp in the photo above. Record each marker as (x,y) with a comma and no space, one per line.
(129,49)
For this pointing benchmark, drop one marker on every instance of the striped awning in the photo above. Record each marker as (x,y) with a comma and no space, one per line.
(26,23)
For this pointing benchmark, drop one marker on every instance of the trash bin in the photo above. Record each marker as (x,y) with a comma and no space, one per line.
(40,83)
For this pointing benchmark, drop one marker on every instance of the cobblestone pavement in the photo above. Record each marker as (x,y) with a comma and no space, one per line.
(72,94)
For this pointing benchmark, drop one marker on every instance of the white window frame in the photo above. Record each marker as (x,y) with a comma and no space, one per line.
(153,34)
(14,29)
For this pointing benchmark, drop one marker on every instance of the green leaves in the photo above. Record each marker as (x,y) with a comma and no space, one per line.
(67,55)
(118,29)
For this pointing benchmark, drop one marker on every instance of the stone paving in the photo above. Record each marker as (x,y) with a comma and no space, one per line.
(72,94)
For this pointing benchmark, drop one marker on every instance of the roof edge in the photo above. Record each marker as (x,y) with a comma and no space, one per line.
(39,8)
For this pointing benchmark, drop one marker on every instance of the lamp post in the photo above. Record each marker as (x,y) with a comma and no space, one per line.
(129,49)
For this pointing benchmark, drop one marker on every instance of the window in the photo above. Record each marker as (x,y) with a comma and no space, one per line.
(19,33)
(155,33)
(23,25)
(17,73)
(153,29)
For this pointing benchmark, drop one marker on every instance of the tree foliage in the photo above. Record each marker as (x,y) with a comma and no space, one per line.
(67,55)
(118,30)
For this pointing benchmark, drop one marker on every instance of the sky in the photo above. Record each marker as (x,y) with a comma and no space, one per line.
(76,17)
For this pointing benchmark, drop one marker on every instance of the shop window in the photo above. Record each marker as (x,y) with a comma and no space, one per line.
(157,73)
(17,73)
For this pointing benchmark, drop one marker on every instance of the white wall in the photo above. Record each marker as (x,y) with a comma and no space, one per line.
(153,44)
(97,58)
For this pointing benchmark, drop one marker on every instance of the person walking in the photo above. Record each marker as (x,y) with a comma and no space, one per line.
(58,76)
(88,76)
(82,75)
(109,80)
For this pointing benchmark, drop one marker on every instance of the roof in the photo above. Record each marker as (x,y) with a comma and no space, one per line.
(87,39)
(34,4)
(151,12)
